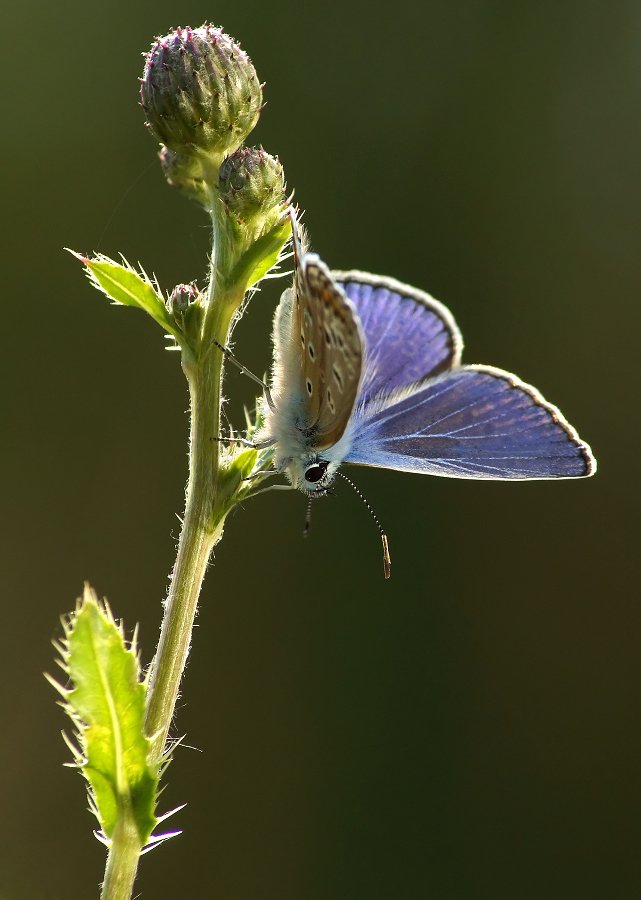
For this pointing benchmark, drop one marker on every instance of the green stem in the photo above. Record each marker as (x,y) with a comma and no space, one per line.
(122,861)
(197,539)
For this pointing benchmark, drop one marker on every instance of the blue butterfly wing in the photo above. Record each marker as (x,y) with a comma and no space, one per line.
(473,422)
(408,335)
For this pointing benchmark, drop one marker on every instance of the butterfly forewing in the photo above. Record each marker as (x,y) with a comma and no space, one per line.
(331,350)
(409,335)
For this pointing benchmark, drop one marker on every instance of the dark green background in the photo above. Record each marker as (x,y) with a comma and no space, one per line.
(471,728)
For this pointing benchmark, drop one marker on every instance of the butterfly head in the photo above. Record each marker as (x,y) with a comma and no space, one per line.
(311,474)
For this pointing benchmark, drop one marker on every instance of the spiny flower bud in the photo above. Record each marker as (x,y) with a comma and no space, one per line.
(184,173)
(251,185)
(200,92)
(185,303)
(181,298)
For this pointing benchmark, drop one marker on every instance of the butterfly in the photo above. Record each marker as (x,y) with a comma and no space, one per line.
(367,370)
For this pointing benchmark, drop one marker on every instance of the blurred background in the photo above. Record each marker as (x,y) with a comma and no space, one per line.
(470,729)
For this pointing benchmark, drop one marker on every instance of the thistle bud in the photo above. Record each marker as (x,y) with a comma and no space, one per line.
(185,174)
(251,185)
(181,298)
(185,304)
(200,92)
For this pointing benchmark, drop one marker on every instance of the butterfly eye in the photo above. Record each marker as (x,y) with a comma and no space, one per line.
(315,472)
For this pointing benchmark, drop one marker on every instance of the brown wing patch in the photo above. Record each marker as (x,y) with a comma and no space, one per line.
(331,350)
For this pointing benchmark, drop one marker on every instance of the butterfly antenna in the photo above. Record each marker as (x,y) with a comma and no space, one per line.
(387,562)
(300,241)
(293,217)
(308,517)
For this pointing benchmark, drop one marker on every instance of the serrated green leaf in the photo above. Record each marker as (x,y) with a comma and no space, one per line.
(262,256)
(107,705)
(127,287)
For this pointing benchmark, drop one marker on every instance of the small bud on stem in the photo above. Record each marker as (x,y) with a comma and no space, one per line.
(182,296)
(185,174)
(252,187)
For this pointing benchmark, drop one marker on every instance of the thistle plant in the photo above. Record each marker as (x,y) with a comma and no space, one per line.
(202,98)
(366,371)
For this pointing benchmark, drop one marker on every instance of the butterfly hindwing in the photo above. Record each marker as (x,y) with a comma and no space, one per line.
(473,422)
(408,335)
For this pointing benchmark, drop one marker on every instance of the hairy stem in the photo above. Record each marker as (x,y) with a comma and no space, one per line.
(122,861)
(194,547)
(200,532)
(201,527)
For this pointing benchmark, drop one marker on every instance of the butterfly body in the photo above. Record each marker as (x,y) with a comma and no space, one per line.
(294,426)
(368,371)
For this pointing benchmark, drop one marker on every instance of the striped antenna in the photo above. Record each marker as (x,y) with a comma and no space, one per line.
(308,517)
(387,562)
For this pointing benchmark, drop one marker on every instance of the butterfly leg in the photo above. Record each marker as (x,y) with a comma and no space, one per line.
(230,356)
(265,474)
(235,440)
(254,445)
(272,487)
